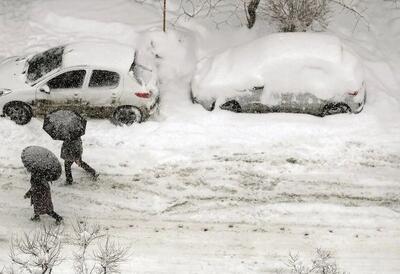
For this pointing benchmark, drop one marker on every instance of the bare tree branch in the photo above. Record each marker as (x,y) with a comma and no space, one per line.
(84,235)
(109,256)
(322,263)
(39,250)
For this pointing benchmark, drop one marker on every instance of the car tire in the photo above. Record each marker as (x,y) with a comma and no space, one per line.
(127,115)
(232,106)
(20,113)
(335,108)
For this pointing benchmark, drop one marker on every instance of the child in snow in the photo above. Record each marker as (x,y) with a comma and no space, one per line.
(71,152)
(40,196)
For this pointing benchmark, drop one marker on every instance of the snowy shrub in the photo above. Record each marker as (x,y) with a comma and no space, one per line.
(83,236)
(107,254)
(299,15)
(296,15)
(37,252)
(322,263)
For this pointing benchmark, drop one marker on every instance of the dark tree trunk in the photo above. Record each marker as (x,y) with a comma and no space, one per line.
(252,13)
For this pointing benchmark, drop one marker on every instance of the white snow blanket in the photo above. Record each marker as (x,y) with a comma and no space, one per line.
(221,192)
(282,62)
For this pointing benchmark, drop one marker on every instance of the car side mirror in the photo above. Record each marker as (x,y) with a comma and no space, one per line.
(45,89)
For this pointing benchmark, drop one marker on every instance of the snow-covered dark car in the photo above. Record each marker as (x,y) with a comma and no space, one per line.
(103,80)
(285,72)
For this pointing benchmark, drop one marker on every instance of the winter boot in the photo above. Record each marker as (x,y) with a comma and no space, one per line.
(57,217)
(95,176)
(35,218)
(59,220)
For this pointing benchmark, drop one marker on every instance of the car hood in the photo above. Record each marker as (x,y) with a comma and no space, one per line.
(12,74)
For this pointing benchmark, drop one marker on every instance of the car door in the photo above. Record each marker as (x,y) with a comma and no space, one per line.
(63,90)
(100,96)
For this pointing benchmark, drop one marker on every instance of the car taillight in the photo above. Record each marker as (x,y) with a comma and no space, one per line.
(143,94)
(353,93)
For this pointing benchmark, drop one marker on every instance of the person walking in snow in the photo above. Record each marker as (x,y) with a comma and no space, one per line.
(40,196)
(71,152)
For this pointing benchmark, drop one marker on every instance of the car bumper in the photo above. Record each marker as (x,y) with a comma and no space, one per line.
(155,106)
(356,103)
(151,109)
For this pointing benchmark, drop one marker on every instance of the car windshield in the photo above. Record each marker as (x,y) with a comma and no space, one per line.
(43,63)
(141,71)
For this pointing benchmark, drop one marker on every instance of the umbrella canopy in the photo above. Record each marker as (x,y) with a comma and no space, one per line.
(64,125)
(41,160)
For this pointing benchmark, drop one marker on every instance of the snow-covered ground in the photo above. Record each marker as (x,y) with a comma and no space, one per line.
(220,192)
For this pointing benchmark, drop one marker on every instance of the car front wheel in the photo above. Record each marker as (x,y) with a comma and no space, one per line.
(127,115)
(21,113)
(335,108)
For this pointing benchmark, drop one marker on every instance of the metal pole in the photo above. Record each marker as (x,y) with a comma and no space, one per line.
(165,16)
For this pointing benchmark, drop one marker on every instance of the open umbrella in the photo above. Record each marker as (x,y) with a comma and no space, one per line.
(40,159)
(64,125)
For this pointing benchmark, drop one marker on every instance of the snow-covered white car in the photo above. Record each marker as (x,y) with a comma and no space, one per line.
(285,72)
(103,80)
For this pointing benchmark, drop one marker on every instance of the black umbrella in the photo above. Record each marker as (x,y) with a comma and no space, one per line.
(64,125)
(41,160)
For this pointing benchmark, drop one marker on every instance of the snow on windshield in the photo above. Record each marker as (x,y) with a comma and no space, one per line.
(44,62)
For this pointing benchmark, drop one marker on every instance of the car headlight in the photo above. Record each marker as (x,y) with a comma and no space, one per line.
(5,91)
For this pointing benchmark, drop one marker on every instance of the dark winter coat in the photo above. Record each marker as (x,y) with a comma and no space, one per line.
(72,150)
(40,195)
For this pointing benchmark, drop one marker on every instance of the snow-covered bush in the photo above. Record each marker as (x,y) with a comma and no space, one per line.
(37,252)
(83,236)
(300,15)
(296,15)
(322,263)
(107,254)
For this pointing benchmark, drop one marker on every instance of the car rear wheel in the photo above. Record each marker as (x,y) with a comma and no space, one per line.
(20,113)
(127,115)
(335,108)
(232,106)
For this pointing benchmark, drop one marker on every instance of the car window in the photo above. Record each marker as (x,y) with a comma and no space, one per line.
(44,62)
(70,79)
(104,78)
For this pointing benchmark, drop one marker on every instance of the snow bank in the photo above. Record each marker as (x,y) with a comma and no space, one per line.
(294,62)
